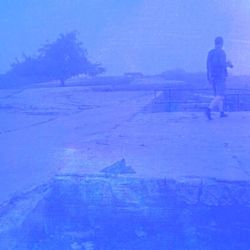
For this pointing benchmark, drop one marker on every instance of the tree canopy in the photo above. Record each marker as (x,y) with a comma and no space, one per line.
(59,60)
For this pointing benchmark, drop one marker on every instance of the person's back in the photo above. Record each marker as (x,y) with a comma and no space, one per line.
(216,64)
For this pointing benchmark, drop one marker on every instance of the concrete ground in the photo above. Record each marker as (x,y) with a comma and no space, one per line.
(173,145)
(45,132)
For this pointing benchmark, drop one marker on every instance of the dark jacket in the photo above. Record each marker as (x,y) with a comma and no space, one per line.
(216,64)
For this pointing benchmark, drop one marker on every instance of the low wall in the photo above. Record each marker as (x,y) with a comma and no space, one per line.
(115,212)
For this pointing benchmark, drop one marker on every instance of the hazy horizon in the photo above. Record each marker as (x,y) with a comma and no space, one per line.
(138,35)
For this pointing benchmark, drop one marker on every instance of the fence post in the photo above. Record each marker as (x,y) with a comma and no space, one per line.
(238,102)
(169,100)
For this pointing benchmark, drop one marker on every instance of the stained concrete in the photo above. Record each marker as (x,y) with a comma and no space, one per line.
(64,137)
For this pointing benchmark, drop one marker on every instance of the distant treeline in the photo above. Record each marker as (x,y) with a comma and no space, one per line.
(182,75)
(199,79)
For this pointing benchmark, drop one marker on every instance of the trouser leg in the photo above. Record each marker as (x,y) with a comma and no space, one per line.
(217,102)
(221,104)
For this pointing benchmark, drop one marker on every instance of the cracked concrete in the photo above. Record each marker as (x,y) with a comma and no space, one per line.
(210,213)
(34,147)
(188,170)
(113,126)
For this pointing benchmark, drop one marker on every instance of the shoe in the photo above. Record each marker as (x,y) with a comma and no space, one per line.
(208,113)
(222,115)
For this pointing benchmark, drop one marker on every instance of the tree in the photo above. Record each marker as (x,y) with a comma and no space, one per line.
(59,60)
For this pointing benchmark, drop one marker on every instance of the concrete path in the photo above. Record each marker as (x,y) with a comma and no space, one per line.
(41,127)
(172,145)
(44,132)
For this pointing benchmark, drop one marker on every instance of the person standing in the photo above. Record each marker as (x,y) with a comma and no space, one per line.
(217,73)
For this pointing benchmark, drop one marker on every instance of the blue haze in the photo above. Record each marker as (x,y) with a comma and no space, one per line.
(124,35)
(132,35)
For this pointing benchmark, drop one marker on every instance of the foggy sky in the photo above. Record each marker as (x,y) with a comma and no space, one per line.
(131,35)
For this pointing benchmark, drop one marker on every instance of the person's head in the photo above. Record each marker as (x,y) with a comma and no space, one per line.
(218,42)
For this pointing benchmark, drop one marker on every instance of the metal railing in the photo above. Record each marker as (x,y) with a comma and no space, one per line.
(235,99)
